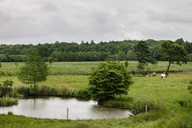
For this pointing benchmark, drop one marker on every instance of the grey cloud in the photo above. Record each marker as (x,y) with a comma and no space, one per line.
(4,17)
(174,17)
(50,7)
(46,20)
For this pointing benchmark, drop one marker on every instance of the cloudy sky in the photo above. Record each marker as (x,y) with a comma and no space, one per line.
(47,21)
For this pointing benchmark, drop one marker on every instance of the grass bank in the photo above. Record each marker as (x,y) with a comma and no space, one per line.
(164,118)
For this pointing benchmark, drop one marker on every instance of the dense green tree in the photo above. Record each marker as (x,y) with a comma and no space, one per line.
(81,56)
(3,58)
(143,55)
(180,41)
(92,42)
(34,70)
(61,50)
(121,55)
(57,56)
(126,63)
(189,56)
(109,79)
(174,53)
(50,60)
(154,50)
(131,55)
(43,51)
(188,47)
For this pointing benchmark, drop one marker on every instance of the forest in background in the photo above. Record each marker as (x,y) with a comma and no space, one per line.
(86,51)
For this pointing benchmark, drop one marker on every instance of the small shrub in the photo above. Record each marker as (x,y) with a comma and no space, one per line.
(186,103)
(190,87)
(33,90)
(7,101)
(119,102)
(44,91)
(23,90)
(64,91)
(53,91)
(83,94)
(10,113)
(2,73)
(15,93)
(5,88)
(139,106)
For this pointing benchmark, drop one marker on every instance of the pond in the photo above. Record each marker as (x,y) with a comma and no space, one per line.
(56,108)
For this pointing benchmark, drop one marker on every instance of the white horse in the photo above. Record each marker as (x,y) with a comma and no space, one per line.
(163,75)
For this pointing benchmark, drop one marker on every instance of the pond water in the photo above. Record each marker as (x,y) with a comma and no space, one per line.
(56,108)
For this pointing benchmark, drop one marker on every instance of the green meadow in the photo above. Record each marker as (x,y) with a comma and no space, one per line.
(170,95)
(84,68)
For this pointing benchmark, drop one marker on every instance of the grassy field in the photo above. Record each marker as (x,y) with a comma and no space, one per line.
(84,68)
(177,101)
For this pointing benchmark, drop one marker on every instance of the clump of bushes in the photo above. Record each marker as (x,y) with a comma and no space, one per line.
(10,113)
(119,102)
(186,103)
(5,88)
(83,94)
(139,105)
(190,87)
(8,101)
(35,90)
(135,105)
(6,91)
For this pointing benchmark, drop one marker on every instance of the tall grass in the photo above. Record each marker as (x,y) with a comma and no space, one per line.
(44,91)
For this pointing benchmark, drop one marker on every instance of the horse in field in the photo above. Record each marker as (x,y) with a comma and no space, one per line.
(144,73)
(164,75)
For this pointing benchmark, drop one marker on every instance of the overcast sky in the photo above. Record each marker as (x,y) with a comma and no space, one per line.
(47,21)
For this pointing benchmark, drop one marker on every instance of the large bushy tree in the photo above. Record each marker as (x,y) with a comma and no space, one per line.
(34,70)
(143,55)
(109,79)
(173,53)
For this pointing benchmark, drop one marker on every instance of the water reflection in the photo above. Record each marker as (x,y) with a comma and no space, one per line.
(56,108)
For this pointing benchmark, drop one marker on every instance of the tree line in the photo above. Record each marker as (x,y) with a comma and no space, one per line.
(86,51)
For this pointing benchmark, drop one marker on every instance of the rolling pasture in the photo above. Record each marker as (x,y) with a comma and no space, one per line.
(84,68)
(172,91)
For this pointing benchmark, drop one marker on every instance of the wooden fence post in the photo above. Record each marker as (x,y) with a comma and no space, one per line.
(67,113)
